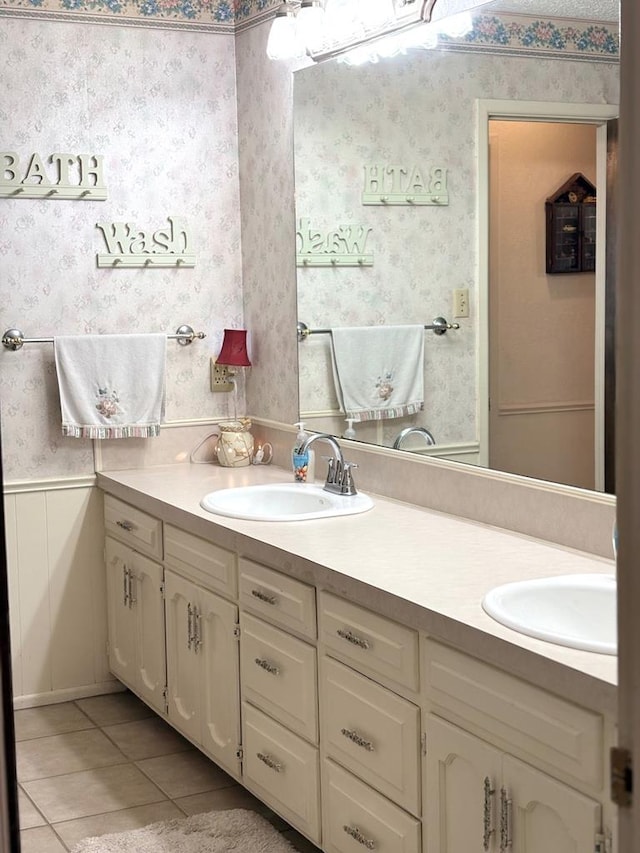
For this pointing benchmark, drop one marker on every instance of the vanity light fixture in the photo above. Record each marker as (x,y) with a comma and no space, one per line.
(284,41)
(360,31)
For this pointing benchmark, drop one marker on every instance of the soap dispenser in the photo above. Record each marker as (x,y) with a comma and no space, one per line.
(303,463)
(349,431)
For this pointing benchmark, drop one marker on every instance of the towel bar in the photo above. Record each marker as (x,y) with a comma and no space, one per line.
(14,339)
(439,326)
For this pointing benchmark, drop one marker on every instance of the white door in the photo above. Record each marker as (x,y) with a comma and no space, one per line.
(463,782)
(146,591)
(121,617)
(183,687)
(547,816)
(218,655)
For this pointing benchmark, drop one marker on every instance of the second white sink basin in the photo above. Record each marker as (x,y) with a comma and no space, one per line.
(578,611)
(283,502)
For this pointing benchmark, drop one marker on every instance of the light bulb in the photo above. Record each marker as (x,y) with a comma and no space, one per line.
(310,22)
(283,42)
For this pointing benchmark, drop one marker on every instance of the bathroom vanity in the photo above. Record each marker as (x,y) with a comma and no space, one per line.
(344,671)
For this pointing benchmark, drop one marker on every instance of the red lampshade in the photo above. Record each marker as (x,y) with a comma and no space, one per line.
(234,348)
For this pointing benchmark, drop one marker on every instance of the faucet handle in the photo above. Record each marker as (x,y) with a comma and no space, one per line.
(348,486)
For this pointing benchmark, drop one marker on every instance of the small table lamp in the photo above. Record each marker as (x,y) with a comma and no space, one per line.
(234,354)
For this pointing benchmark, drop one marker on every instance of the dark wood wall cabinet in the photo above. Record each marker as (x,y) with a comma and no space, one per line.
(571,227)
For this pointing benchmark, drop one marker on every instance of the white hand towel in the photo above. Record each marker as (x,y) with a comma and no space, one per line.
(111,386)
(379,371)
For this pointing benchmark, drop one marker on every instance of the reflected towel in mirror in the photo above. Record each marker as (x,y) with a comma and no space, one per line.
(378,371)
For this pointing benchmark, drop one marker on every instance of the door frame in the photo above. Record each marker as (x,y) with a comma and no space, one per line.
(549,111)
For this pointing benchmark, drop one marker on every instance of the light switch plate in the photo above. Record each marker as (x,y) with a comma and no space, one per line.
(461,302)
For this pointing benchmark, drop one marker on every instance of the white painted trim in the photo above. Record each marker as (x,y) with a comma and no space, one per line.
(54,697)
(546,408)
(528,111)
(18,487)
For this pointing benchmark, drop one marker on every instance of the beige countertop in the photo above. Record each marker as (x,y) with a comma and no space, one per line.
(420,567)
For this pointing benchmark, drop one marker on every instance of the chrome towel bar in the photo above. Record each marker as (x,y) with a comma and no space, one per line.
(439,326)
(13,339)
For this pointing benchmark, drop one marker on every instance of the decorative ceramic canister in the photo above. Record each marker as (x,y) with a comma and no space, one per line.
(235,445)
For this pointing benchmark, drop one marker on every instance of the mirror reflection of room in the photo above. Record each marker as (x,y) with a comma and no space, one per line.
(418,112)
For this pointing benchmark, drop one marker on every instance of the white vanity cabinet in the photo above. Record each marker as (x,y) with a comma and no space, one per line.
(370,733)
(202,668)
(360,731)
(279,688)
(507,765)
(202,644)
(136,621)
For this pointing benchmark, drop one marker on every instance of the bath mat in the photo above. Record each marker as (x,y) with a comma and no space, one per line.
(232,831)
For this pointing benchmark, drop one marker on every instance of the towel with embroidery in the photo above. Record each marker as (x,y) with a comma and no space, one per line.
(111,386)
(378,371)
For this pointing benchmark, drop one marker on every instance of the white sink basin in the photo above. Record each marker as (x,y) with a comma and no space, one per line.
(571,610)
(283,502)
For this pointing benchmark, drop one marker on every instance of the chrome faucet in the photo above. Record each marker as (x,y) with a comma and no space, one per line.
(429,439)
(340,474)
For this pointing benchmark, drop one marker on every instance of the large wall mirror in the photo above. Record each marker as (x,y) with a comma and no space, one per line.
(421,183)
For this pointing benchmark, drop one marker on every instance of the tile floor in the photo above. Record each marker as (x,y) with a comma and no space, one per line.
(108,764)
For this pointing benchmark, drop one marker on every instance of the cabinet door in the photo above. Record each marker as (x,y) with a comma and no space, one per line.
(121,616)
(217,651)
(547,816)
(183,687)
(462,781)
(148,606)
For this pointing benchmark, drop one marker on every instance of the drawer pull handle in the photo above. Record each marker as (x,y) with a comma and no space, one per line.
(268,667)
(355,833)
(271,763)
(357,739)
(126,525)
(263,596)
(351,638)
(487,830)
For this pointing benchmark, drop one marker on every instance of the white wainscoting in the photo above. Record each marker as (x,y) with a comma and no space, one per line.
(57,591)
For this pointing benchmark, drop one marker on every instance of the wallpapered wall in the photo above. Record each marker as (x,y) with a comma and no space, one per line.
(160,105)
(417,111)
(163,104)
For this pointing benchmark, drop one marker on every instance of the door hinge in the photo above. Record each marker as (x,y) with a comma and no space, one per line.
(165,696)
(423,742)
(240,753)
(621,766)
(603,842)
(162,590)
(236,632)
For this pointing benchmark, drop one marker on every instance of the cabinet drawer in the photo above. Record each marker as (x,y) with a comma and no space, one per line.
(141,531)
(283,770)
(373,732)
(372,644)
(547,731)
(201,561)
(279,675)
(279,598)
(356,817)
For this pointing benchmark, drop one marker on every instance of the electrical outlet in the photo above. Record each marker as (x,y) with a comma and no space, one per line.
(461,302)
(220,380)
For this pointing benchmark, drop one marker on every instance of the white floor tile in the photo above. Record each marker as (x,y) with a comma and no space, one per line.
(92,792)
(68,753)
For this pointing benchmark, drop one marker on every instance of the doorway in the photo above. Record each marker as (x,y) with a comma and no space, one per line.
(541,448)
(541,325)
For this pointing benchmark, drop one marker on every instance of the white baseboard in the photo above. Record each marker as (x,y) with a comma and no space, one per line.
(54,697)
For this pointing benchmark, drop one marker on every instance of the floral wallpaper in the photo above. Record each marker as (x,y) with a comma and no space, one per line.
(160,107)
(416,111)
